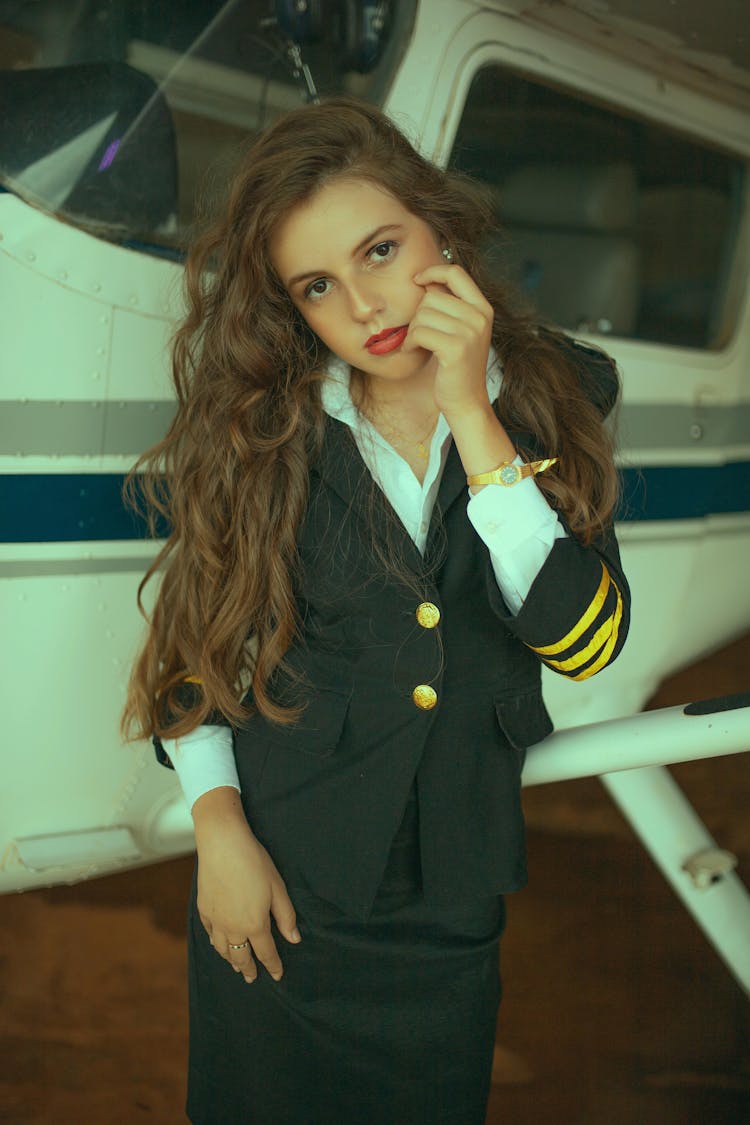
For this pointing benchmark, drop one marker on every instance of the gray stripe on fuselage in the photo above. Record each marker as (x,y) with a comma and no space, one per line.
(668,426)
(34,568)
(68,428)
(94,428)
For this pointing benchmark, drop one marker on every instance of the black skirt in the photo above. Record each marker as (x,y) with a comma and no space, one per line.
(385,1022)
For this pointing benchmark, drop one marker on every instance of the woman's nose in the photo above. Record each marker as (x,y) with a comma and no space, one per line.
(364,300)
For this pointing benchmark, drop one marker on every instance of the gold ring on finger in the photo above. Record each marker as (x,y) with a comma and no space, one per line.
(243,944)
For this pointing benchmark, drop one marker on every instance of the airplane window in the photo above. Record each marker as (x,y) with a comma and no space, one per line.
(126,118)
(610,224)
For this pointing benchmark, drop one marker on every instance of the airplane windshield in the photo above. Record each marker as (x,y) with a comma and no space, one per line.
(125,119)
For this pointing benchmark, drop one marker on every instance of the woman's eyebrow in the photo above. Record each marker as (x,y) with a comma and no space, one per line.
(368,238)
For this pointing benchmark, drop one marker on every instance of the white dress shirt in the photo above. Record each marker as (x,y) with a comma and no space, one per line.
(517,525)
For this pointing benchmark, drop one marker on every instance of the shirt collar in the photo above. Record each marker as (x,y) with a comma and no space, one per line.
(336,398)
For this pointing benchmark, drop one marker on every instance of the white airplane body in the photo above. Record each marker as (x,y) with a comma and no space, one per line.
(86,322)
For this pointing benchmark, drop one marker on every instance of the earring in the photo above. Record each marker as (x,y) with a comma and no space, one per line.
(448,254)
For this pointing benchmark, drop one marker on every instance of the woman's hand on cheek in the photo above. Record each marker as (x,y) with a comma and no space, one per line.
(454,322)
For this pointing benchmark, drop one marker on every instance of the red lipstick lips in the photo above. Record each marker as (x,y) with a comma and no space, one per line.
(387,340)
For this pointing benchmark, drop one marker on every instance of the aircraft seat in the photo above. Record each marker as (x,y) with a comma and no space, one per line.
(684,231)
(568,240)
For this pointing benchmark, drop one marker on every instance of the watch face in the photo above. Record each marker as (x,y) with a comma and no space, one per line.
(509,474)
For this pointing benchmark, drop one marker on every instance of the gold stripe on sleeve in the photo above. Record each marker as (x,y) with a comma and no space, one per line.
(600,637)
(608,648)
(583,623)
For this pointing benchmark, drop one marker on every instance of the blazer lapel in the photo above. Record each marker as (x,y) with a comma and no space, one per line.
(452,486)
(453,482)
(340,466)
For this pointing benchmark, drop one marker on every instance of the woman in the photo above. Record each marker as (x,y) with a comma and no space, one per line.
(390,496)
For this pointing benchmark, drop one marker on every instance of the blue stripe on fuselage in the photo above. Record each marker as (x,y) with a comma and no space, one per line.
(79,507)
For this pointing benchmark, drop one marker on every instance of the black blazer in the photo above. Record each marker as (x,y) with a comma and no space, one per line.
(326,795)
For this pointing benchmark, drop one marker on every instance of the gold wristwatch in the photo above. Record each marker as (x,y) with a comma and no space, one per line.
(509,474)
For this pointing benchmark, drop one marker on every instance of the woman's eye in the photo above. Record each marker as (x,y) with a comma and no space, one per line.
(317,289)
(383,251)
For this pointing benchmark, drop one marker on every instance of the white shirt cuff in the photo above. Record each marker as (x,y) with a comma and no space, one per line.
(203,760)
(519,528)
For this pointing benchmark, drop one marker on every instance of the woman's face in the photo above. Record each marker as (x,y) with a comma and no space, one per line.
(347,258)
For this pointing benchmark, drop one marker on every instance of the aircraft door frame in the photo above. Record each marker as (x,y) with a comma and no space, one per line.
(432,111)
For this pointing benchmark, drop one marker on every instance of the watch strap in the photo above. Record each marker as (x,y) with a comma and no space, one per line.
(508,474)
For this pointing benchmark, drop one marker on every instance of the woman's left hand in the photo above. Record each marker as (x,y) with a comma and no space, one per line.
(454,322)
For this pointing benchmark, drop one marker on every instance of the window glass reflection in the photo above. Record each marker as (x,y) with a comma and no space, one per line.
(123,117)
(610,224)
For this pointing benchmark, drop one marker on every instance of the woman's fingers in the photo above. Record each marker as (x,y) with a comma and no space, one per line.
(457,282)
(264,948)
(433,328)
(239,890)
(238,951)
(284,912)
(442,322)
(241,958)
(438,302)
(454,343)
(453,322)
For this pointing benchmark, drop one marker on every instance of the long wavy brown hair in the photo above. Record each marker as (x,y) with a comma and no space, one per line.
(230,477)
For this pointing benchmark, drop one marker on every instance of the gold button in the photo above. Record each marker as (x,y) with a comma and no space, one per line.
(428,615)
(424,696)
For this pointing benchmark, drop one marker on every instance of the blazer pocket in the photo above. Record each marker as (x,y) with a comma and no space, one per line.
(318,730)
(523,718)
